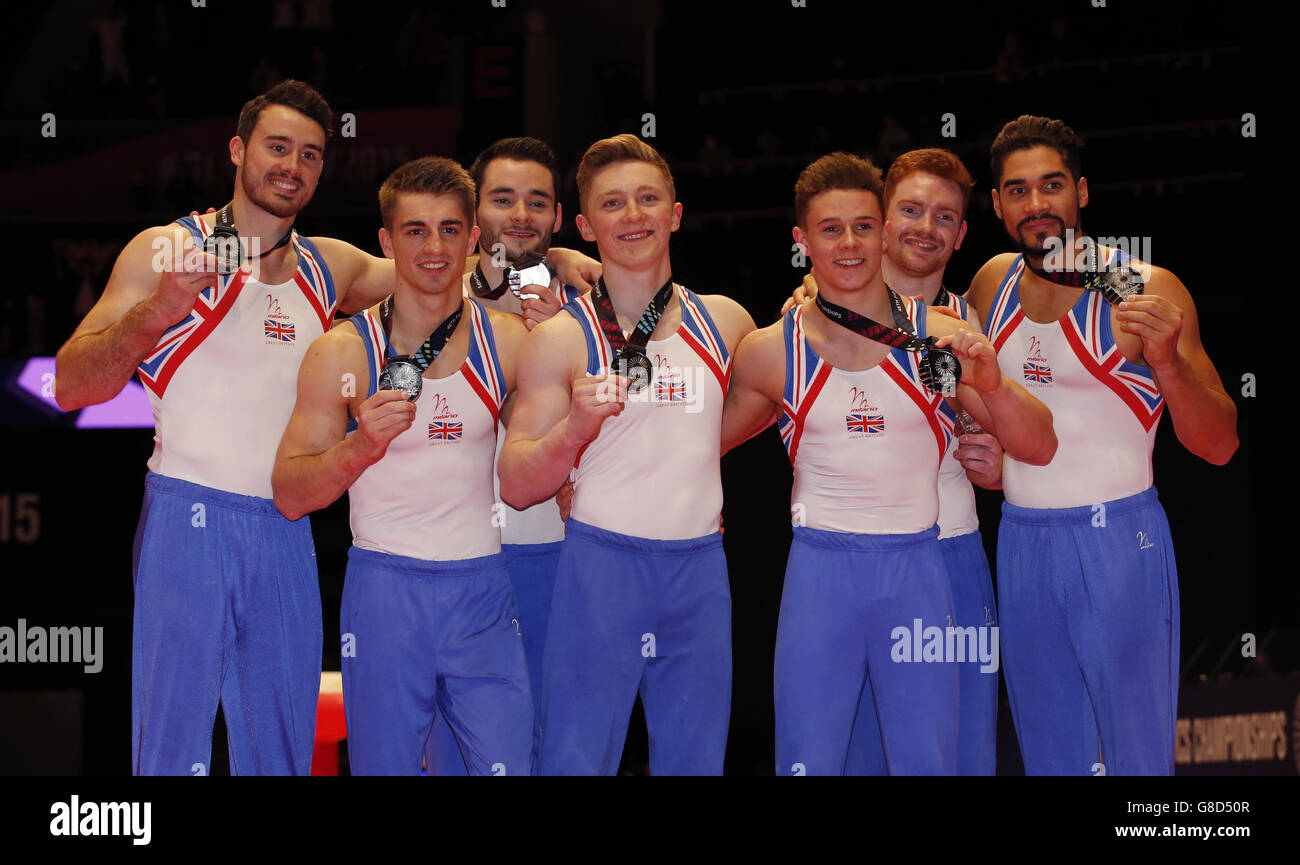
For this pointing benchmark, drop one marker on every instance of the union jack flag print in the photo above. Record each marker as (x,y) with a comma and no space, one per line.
(276,330)
(670,391)
(447,432)
(872,424)
(1038,372)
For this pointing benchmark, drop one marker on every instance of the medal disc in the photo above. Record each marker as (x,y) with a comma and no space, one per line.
(223,243)
(531,270)
(637,367)
(1119,285)
(940,371)
(402,373)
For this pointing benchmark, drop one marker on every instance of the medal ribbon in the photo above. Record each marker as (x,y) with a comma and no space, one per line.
(644,327)
(433,345)
(1093,278)
(900,336)
(226,220)
(1086,278)
(478,282)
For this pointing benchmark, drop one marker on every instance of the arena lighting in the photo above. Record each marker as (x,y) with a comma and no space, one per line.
(130,409)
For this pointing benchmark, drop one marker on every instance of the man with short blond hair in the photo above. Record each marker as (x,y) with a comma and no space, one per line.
(627,392)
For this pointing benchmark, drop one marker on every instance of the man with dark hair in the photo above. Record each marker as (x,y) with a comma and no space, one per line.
(926,192)
(1087,586)
(227,605)
(517,184)
(524,149)
(517,181)
(217,354)
(427,604)
(862,414)
(291,94)
(641,596)
(1028,131)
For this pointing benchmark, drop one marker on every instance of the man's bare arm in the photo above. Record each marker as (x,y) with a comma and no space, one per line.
(1019,421)
(751,407)
(574,268)
(555,414)
(979,453)
(153,285)
(509,334)
(1164,318)
(315,463)
(360,279)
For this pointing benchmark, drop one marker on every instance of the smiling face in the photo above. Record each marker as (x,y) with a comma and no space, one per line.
(428,240)
(1037,198)
(924,225)
(842,235)
(630,214)
(517,207)
(280,165)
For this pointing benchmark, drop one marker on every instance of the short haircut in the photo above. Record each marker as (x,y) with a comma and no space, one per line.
(301,97)
(520,149)
(1028,131)
(930,160)
(434,175)
(620,148)
(835,171)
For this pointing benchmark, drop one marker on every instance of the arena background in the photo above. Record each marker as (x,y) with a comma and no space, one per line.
(143,98)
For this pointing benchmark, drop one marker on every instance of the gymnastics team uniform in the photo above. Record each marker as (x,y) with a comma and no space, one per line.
(865,561)
(1087,584)
(427,604)
(227,604)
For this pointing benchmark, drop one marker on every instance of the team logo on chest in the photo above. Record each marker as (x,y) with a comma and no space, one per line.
(670,382)
(1037,371)
(446,425)
(277,326)
(863,419)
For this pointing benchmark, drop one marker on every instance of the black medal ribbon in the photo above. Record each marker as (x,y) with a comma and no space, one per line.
(1116,284)
(479,283)
(939,367)
(224,243)
(631,350)
(405,372)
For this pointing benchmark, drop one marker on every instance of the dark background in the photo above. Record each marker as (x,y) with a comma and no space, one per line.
(744,95)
